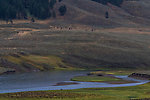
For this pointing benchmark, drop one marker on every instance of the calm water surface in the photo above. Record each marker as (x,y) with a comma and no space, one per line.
(45,80)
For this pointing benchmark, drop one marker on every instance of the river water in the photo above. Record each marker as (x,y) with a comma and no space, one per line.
(36,81)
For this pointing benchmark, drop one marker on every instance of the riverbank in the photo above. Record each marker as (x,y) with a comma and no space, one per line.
(60,80)
(111,76)
(115,93)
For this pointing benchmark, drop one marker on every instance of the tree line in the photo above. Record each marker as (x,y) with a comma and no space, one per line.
(22,9)
(114,2)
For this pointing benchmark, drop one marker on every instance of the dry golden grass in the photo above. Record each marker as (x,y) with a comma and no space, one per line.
(128,30)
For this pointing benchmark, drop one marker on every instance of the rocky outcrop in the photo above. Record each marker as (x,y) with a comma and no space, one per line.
(9,72)
(139,75)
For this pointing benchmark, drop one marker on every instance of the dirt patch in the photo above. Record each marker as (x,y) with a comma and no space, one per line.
(23,33)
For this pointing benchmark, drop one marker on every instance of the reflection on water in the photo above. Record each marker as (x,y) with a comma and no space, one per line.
(46,80)
(35,79)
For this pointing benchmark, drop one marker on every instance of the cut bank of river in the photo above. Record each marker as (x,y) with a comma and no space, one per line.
(37,81)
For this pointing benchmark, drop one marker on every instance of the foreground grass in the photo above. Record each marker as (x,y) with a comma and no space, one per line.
(119,93)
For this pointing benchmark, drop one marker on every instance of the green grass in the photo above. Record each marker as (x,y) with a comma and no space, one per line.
(37,62)
(115,72)
(94,79)
(119,93)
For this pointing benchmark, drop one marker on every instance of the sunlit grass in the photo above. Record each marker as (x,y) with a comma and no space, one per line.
(50,60)
(94,79)
(114,72)
(40,62)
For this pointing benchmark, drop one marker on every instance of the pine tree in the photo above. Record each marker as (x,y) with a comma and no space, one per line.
(106,14)
(62,10)
(19,9)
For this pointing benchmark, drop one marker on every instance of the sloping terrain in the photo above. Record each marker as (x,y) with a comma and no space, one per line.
(82,39)
(32,49)
(131,13)
(139,8)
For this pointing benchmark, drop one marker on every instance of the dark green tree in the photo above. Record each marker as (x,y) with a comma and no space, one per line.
(114,2)
(106,14)
(62,10)
(52,3)
(60,0)
(19,9)
(32,20)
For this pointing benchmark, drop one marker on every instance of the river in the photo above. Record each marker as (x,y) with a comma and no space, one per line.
(37,81)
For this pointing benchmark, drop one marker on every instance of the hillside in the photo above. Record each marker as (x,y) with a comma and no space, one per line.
(90,35)
(88,12)
(92,13)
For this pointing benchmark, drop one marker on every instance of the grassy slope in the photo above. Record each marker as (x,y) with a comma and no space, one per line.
(91,13)
(36,63)
(121,93)
(80,48)
(138,8)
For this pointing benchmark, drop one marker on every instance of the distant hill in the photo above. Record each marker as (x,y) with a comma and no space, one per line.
(88,12)
(104,13)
